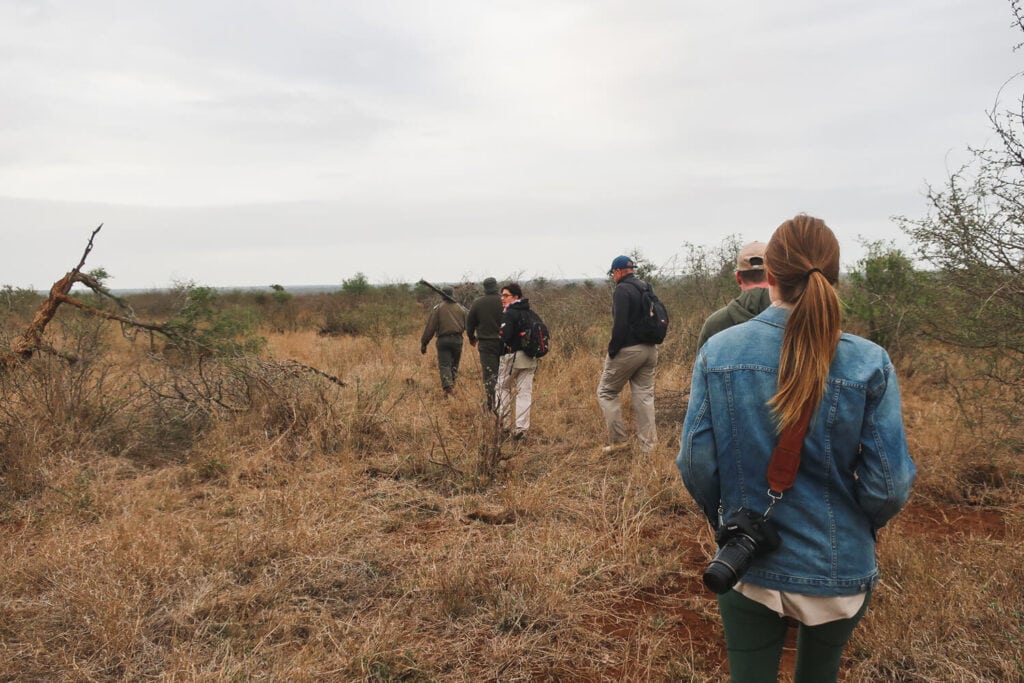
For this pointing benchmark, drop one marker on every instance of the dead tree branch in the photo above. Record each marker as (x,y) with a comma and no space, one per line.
(32,340)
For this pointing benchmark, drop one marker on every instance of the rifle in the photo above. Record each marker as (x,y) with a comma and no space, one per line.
(446,297)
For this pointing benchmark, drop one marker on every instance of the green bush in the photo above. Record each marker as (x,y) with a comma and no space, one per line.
(203,325)
(386,310)
(886,296)
(357,285)
(17,306)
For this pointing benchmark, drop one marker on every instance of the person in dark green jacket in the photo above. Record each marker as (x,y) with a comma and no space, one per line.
(482,324)
(753,296)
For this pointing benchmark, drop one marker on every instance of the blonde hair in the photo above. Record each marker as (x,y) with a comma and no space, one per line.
(803,258)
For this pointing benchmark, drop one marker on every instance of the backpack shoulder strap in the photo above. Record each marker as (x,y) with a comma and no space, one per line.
(636,283)
(523,318)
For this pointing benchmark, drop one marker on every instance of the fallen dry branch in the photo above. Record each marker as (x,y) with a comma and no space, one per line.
(319,373)
(32,339)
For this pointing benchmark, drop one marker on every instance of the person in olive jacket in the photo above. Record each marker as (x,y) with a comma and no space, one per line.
(753,298)
(447,321)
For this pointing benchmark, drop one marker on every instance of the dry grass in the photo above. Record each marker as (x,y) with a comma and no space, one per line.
(349,533)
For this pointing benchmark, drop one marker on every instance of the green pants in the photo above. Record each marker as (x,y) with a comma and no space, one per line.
(490,357)
(754,636)
(449,353)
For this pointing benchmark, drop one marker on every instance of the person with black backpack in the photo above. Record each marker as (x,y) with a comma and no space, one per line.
(639,323)
(524,340)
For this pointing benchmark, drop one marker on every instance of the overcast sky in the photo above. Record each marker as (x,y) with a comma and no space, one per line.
(247,143)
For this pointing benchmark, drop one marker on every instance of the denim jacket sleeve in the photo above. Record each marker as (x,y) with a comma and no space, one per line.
(698,460)
(885,471)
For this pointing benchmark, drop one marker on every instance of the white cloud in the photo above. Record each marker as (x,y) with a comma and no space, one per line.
(315,129)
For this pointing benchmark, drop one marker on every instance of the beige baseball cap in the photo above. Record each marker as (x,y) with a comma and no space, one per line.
(751,256)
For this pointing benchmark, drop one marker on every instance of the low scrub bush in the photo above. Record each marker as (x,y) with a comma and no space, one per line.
(386,311)
(886,299)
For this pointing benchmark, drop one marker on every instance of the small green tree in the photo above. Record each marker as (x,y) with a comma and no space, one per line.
(100,275)
(356,285)
(202,325)
(887,296)
(279,294)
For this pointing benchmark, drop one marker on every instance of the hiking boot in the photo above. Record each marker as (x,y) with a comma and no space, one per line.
(614,448)
(519,435)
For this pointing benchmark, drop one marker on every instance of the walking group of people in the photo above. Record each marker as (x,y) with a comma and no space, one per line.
(495,324)
(792,446)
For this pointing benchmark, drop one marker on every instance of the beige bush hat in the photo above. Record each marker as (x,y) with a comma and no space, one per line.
(751,256)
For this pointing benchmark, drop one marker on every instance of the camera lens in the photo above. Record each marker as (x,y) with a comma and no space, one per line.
(730,563)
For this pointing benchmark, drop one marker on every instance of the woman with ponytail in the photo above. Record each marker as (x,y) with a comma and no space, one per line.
(750,383)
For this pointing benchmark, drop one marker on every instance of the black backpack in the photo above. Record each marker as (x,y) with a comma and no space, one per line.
(534,339)
(653,325)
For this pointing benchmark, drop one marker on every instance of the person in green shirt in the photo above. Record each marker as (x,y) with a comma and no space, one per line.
(753,298)
(482,326)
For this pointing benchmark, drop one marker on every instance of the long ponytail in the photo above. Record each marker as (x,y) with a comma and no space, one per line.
(803,259)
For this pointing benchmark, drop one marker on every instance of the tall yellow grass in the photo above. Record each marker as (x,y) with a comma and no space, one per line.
(347,533)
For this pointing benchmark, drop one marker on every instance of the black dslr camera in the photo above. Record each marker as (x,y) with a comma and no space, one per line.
(741,538)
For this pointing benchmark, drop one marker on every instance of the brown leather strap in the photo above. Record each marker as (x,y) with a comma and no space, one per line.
(786,457)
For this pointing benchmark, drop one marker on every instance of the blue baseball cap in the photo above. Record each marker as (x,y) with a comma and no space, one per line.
(621,263)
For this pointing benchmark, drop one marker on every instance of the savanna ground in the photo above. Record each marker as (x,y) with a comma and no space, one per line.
(228,517)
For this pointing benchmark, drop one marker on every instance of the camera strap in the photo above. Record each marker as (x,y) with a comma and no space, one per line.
(785,460)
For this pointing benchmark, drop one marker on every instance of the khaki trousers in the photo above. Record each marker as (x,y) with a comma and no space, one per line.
(636,365)
(515,385)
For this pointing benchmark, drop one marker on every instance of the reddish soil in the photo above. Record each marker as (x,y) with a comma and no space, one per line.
(672,601)
(951,521)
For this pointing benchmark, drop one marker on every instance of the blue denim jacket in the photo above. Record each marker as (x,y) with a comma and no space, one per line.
(855,472)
